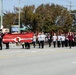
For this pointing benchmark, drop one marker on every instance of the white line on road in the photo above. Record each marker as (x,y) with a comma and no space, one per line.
(34,51)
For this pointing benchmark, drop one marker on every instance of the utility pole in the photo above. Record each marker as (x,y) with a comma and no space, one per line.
(70,6)
(19,16)
(1,11)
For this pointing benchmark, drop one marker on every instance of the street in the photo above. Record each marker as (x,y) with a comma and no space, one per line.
(34,61)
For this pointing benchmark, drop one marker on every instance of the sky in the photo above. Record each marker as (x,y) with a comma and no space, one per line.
(9,4)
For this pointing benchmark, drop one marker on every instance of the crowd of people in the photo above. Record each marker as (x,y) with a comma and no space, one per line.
(40,39)
(57,40)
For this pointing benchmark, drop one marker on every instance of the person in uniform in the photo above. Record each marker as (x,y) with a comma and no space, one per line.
(59,40)
(70,38)
(1,37)
(7,43)
(62,40)
(34,40)
(66,40)
(39,38)
(54,38)
(42,39)
(75,40)
(22,45)
(49,39)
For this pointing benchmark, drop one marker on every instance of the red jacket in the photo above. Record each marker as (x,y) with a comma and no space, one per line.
(70,37)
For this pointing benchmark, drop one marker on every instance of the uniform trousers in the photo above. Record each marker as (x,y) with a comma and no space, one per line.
(63,43)
(42,43)
(58,43)
(0,45)
(70,43)
(54,43)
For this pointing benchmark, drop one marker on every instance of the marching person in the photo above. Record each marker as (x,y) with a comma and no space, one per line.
(70,39)
(49,39)
(7,43)
(27,45)
(54,38)
(34,40)
(59,40)
(22,45)
(42,39)
(62,40)
(39,38)
(1,37)
(75,40)
(66,40)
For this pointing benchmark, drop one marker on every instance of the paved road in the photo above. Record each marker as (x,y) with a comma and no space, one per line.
(47,61)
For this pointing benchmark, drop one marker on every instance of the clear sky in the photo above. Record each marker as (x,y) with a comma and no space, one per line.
(9,4)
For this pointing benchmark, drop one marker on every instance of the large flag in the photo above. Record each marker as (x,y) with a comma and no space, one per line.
(26,37)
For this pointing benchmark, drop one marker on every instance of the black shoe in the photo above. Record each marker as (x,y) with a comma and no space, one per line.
(22,47)
(39,47)
(28,48)
(7,48)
